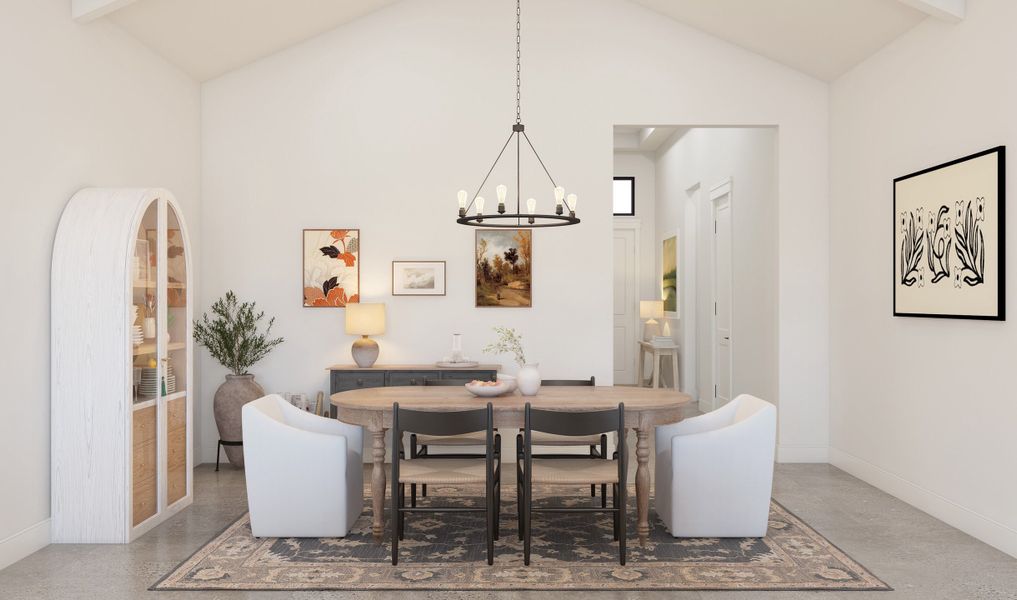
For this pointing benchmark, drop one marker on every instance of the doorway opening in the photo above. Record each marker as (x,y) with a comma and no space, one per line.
(699,243)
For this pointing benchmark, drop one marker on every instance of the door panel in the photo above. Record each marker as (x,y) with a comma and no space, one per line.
(625,306)
(722,297)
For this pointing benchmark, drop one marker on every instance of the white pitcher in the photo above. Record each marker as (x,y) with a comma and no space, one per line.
(528,379)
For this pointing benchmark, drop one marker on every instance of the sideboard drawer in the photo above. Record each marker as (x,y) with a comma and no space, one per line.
(466,375)
(410,377)
(343,381)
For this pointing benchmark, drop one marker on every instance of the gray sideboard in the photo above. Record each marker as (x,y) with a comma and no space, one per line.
(343,378)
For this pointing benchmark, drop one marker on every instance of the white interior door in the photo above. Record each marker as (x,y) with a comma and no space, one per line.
(722,342)
(626,303)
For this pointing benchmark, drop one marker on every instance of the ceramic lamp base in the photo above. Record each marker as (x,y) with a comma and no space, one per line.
(650,329)
(365,352)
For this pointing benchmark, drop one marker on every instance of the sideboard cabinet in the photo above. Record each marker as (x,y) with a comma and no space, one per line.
(343,378)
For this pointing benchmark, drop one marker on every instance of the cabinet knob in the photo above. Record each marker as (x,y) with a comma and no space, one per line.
(413,382)
(360,382)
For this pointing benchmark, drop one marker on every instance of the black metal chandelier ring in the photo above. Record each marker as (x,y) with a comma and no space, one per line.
(530,220)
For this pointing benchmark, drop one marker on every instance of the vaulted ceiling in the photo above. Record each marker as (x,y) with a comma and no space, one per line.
(822,38)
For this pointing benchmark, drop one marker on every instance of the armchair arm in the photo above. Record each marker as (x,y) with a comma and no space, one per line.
(306,421)
(716,419)
(287,440)
(742,450)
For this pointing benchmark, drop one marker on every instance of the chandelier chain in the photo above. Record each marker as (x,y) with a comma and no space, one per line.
(519,54)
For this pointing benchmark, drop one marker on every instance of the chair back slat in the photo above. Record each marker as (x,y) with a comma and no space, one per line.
(439,422)
(574,423)
(446,382)
(592,381)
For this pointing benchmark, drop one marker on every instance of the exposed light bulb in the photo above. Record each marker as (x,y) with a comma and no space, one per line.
(463,196)
(531,205)
(502,191)
(571,201)
(480,204)
(559,195)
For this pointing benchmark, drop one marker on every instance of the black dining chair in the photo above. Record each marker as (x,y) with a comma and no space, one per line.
(574,471)
(420,445)
(445,471)
(596,443)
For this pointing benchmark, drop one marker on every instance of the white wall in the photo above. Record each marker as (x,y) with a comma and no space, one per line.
(377,124)
(708,157)
(82,105)
(922,408)
(641,166)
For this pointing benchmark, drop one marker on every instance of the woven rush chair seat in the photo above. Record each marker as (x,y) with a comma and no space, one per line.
(467,439)
(443,471)
(569,471)
(552,439)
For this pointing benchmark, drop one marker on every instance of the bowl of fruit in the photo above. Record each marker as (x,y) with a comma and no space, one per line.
(489,389)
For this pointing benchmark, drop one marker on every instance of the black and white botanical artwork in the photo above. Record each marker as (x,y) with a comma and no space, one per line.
(949,239)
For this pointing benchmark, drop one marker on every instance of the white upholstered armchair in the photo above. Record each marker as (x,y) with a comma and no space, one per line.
(714,472)
(305,473)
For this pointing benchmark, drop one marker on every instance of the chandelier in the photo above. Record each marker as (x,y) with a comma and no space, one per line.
(564,206)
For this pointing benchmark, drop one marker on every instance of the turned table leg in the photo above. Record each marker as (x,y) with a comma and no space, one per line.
(378,484)
(643,484)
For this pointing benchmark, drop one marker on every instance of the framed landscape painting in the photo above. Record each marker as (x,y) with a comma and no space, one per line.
(504,267)
(418,278)
(331,267)
(949,244)
(669,274)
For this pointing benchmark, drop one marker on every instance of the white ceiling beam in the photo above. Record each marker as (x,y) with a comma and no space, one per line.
(952,11)
(84,11)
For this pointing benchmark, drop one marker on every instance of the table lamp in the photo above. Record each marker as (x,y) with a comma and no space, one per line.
(365,319)
(651,310)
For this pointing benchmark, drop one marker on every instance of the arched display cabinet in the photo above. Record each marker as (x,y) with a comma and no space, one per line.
(122,356)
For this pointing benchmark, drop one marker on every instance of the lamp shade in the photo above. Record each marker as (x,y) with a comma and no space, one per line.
(365,318)
(651,309)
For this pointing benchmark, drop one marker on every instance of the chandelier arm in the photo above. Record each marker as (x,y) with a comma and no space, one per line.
(535,153)
(495,164)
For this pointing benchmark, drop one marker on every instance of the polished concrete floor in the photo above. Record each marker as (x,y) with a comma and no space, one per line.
(920,557)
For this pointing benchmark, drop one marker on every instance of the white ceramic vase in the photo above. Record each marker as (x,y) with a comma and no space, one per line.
(528,379)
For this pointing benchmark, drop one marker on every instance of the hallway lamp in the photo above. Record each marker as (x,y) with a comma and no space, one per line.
(651,310)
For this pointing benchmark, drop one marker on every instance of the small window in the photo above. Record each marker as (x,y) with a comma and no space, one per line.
(625,196)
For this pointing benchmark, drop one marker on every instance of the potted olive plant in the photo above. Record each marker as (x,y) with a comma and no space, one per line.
(232,338)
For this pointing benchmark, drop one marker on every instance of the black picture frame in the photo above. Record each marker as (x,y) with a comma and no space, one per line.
(632,188)
(1000,250)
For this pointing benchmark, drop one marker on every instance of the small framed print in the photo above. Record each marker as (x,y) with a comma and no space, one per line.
(418,278)
(949,243)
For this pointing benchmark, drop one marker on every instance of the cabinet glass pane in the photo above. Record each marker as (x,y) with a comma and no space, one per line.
(144,276)
(176,306)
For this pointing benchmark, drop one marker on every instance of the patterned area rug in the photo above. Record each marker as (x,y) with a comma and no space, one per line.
(570,552)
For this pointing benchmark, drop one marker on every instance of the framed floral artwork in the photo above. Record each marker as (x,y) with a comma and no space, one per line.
(331,267)
(949,244)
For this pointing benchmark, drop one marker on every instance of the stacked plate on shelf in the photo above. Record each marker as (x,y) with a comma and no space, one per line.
(149,386)
(136,334)
(171,380)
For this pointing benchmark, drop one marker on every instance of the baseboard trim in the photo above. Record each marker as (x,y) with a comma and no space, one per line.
(979,526)
(15,547)
(803,454)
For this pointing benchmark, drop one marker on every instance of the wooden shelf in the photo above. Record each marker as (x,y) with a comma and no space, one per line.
(151,348)
(151,285)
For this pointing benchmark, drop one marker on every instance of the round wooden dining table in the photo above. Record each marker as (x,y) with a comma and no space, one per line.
(645,408)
